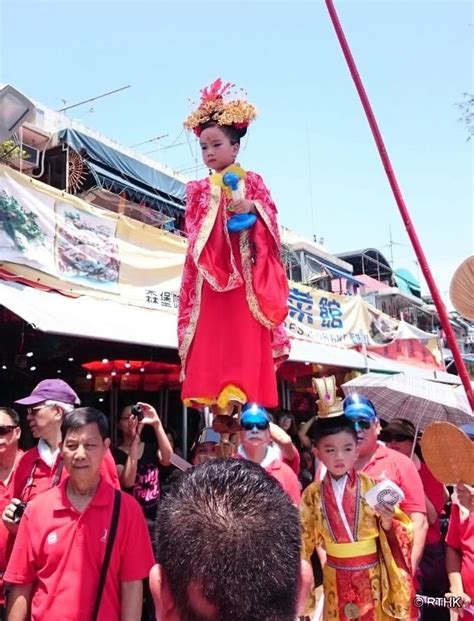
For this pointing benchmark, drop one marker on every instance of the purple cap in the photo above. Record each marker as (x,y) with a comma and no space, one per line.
(55,389)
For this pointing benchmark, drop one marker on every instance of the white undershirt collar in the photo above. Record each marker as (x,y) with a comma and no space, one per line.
(46,454)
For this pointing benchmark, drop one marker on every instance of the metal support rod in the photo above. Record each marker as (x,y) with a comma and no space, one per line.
(114,414)
(417,247)
(160,410)
(166,406)
(184,444)
(288,398)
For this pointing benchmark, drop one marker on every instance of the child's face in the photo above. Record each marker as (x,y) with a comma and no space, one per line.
(338,452)
(217,150)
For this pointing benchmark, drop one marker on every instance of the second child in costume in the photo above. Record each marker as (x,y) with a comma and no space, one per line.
(234,291)
(366,574)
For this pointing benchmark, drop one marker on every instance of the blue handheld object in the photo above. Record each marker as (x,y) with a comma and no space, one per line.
(240,221)
(231,180)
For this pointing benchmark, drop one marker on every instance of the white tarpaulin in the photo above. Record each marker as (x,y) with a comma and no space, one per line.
(90,317)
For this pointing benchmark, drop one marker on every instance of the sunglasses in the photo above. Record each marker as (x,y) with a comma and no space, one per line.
(395,437)
(362,423)
(35,408)
(259,426)
(6,429)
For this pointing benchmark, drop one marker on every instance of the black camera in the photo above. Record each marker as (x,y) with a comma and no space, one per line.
(18,513)
(137,411)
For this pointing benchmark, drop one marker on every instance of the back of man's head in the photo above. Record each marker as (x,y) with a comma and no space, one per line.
(228,543)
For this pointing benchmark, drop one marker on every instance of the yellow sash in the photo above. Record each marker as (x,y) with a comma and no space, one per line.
(353,549)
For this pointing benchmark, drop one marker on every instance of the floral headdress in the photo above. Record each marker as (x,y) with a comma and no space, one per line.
(213,106)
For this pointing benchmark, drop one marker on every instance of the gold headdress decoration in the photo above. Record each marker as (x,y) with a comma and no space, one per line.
(329,404)
(216,106)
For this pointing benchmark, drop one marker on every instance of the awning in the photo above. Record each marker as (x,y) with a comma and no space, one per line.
(109,180)
(337,273)
(89,317)
(316,353)
(132,169)
(407,282)
(385,365)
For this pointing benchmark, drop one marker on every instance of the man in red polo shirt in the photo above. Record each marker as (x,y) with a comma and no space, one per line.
(41,467)
(57,558)
(9,456)
(379,462)
(255,439)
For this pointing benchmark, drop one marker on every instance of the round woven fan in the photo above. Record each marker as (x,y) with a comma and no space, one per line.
(448,453)
(76,171)
(462,289)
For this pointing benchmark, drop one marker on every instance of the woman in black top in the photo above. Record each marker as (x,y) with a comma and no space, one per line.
(137,462)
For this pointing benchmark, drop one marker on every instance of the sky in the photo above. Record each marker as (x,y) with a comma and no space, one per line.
(311,141)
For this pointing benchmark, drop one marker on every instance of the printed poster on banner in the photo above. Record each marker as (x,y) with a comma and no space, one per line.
(63,243)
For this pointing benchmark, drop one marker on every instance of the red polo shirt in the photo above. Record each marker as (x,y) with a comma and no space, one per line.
(6,492)
(286,478)
(61,551)
(32,470)
(386,462)
(460,536)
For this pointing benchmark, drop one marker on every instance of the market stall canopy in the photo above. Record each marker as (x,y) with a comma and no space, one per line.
(306,351)
(130,168)
(89,317)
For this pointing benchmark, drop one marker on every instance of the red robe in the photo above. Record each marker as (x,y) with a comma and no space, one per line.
(233,299)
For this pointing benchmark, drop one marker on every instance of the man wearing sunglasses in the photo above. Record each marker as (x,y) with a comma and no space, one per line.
(255,438)
(379,461)
(41,467)
(10,454)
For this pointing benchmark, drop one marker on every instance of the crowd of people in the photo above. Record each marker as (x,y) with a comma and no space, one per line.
(229,540)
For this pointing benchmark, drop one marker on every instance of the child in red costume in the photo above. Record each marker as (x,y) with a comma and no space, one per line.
(234,291)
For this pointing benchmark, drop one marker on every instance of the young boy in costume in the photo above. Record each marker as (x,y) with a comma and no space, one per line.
(234,291)
(365,551)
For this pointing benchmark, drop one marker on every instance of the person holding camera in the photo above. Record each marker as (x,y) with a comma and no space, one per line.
(137,461)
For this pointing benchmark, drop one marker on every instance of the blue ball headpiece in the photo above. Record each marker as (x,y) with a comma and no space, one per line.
(359,407)
(254,413)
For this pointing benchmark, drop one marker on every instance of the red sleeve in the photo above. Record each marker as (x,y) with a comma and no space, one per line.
(291,484)
(453,536)
(108,470)
(137,553)
(294,464)
(21,474)
(294,488)
(434,490)
(410,482)
(20,568)
(193,190)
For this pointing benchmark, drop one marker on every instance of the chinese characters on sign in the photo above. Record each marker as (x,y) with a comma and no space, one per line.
(300,305)
(165,299)
(330,313)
